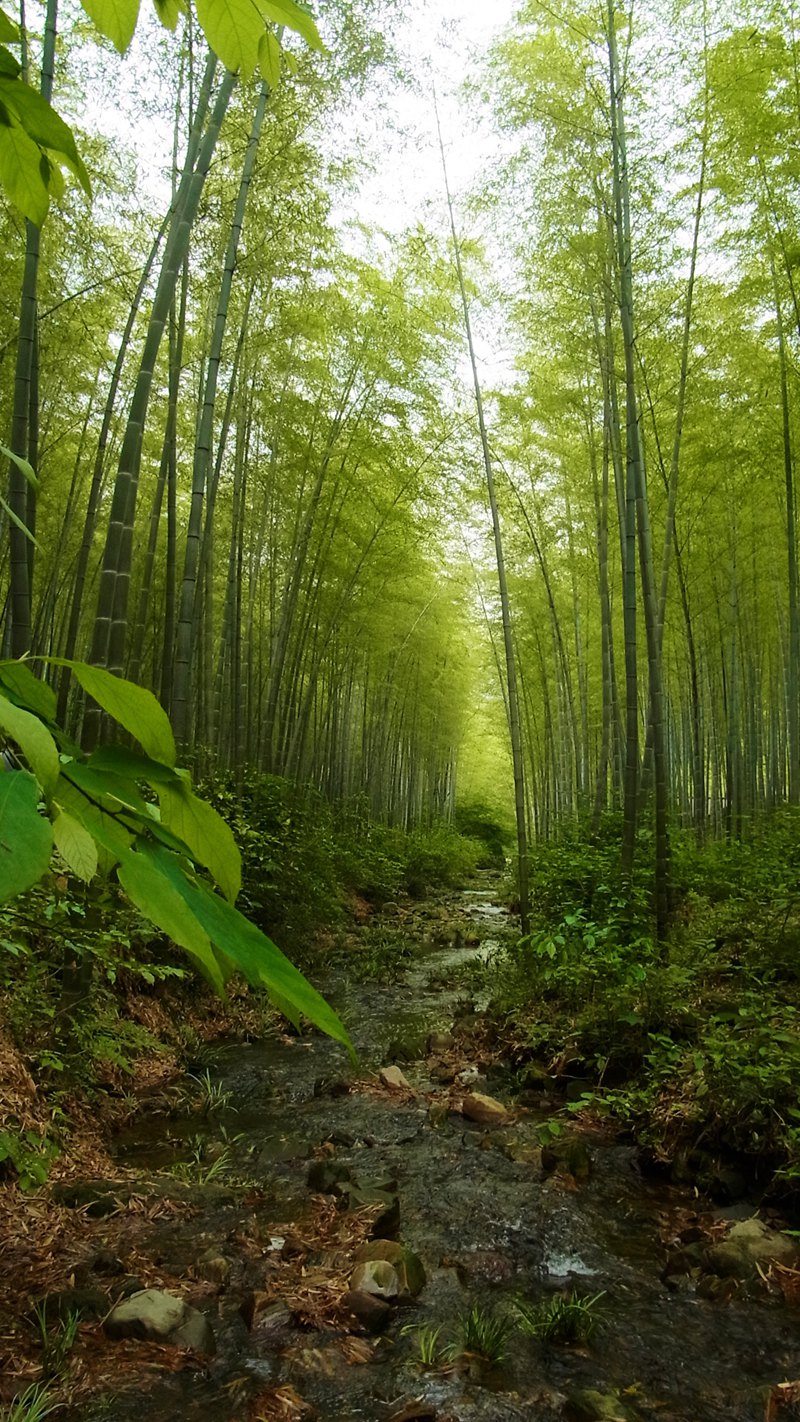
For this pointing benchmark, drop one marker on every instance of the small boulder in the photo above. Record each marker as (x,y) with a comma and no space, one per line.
(408,1265)
(392,1078)
(588,1405)
(484,1110)
(159,1317)
(328,1177)
(376,1276)
(215,1268)
(750,1244)
(371,1312)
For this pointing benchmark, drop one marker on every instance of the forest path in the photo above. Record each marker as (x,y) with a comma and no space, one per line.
(284,1177)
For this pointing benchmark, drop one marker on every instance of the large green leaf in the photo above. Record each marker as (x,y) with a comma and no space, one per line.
(44,126)
(26,837)
(35,742)
(132,706)
(233,28)
(111,837)
(158,900)
(255,955)
(75,845)
(169,12)
(27,690)
(20,170)
(122,761)
(9,31)
(269,59)
(205,833)
(108,790)
(116,19)
(286,12)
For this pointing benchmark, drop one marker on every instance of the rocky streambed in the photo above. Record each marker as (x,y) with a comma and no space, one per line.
(315,1241)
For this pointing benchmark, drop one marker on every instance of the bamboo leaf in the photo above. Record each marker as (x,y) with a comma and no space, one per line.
(233,29)
(122,761)
(286,12)
(159,901)
(111,838)
(20,173)
(26,837)
(9,31)
(256,956)
(132,706)
(27,690)
(169,12)
(206,835)
(23,528)
(75,845)
(269,59)
(35,742)
(116,19)
(41,123)
(22,465)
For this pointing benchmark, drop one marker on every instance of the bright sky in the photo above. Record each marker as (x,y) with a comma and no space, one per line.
(442,40)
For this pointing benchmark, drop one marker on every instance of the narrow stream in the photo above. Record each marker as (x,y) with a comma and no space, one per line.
(488,1223)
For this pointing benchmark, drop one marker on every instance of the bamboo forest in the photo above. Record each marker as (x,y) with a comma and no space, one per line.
(400,711)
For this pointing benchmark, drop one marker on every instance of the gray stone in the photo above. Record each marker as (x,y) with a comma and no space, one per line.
(160,1317)
(376,1276)
(750,1243)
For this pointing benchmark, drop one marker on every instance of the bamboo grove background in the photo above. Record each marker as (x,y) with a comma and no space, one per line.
(261,485)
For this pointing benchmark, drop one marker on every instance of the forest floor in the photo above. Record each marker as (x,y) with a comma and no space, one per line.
(525,1265)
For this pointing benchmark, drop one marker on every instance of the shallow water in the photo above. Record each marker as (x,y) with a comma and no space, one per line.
(488,1228)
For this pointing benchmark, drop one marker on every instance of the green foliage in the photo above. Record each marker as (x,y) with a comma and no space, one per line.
(35,140)
(212,1094)
(31,1405)
(484,1335)
(696,1047)
(29,1154)
(151,848)
(571,1318)
(478,820)
(57,1341)
(429,1352)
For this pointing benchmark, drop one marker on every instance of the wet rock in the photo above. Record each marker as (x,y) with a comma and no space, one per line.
(392,1078)
(440,1042)
(371,1312)
(331,1086)
(588,1405)
(568,1156)
(438,1113)
(520,1150)
(99,1198)
(418,1410)
(215,1268)
(408,1265)
(484,1110)
(329,1177)
(346,1139)
(749,1244)
(405,1049)
(160,1317)
(376,1276)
